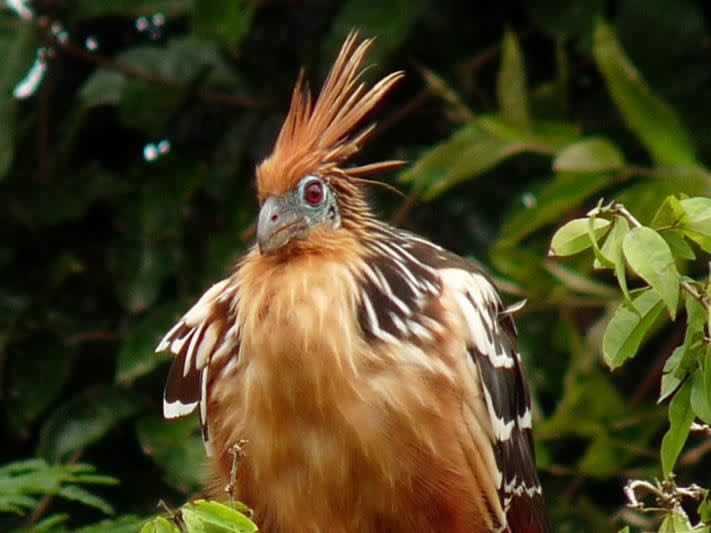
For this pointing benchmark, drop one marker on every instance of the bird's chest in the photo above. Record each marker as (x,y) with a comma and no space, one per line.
(323,411)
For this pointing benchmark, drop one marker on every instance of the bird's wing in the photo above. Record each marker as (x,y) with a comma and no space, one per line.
(499,404)
(204,336)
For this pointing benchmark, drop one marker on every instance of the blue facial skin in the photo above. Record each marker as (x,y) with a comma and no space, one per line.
(290,216)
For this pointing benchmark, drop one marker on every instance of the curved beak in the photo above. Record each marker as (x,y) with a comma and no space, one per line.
(279,222)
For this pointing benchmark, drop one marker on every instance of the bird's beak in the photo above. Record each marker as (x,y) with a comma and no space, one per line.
(279,222)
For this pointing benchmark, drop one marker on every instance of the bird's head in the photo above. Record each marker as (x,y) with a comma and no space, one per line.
(294,214)
(305,193)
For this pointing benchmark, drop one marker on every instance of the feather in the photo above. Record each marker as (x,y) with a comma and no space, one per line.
(317,138)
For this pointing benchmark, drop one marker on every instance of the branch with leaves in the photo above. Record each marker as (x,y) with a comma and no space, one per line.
(655,254)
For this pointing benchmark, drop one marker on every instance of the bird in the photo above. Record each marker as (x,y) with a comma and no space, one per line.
(368,378)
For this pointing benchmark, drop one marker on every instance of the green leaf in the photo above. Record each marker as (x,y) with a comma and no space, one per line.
(388,20)
(687,357)
(678,245)
(123,524)
(160,524)
(468,154)
(590,155)
(478,147)
(573,237)
(680,418)
(644,197)
(26,398)
(670,214)
(670,378)
(700,391)
(22,481)
(83,420)
(511,85)
(698,215)
(81,495)
(612,250)
(222,517)
(654,121)
(675,523)
(628,326)
(648,254)
(226,22)
(137,355)
(176,446)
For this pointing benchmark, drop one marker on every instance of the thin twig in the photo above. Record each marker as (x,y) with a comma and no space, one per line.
(237,452)
(621,210)
(84,336)
(688,287)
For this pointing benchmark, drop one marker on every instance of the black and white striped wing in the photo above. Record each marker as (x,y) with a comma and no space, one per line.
(503,385)
(404,273)
(204,336)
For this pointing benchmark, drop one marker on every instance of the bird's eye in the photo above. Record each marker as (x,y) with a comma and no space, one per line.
(313,193)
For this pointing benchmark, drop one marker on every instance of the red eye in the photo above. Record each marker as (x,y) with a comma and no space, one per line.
(313,193)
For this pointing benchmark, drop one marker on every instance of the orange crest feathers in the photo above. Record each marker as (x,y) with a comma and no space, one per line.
(317,137)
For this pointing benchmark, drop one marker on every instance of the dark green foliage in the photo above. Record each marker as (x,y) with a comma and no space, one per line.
(126,187)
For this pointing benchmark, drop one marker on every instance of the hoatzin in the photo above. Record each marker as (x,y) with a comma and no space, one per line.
(373,375)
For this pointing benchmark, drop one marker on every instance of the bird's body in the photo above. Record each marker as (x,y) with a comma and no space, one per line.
(372,374)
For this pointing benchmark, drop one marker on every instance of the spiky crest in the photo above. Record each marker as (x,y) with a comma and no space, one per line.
(317,138)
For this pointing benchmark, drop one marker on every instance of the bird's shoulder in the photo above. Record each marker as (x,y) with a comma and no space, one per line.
(408,284)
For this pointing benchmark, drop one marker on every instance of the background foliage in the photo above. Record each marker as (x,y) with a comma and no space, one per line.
(129,131)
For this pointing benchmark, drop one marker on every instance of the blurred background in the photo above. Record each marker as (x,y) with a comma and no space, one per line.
(129,134)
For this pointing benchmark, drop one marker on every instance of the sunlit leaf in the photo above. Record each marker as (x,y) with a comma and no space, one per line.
(221,517)
(697,224)
(612,250)
(643,198)
(670,214)
(628,326)
(160,525)
(573,237)
(649,255)
(680,417)
(591,155)
(678,245)
(511,85)
(654,121)
(670,380)
(701,393)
